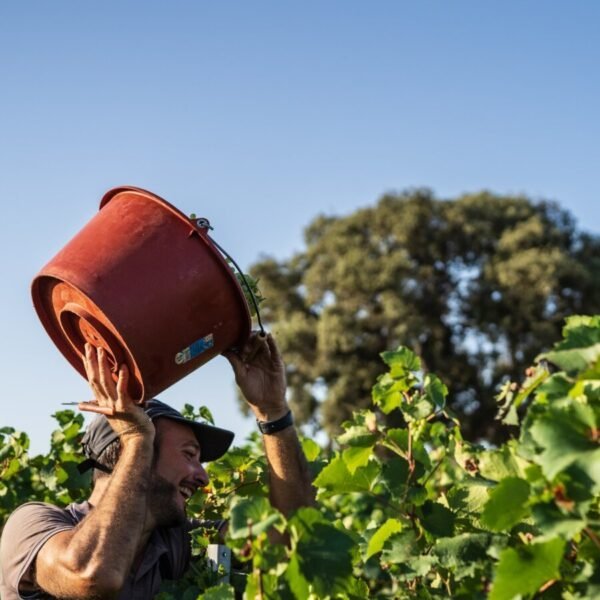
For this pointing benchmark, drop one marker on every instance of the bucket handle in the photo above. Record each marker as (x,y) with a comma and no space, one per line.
(205,224)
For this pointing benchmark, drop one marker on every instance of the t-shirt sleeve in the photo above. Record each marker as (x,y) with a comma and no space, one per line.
(25,532)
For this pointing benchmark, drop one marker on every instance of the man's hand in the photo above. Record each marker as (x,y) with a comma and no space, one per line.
(126,418)
(94,559)
(260,374)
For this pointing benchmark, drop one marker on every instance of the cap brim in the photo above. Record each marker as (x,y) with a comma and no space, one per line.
(214,441)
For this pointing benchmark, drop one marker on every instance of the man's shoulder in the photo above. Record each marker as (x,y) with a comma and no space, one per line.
(34,510)
(43,510)
(33,519)
(27,529)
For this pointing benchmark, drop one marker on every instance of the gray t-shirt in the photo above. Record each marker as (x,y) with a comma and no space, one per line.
(29,527)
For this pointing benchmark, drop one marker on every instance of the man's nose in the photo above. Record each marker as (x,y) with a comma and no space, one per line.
(201,476)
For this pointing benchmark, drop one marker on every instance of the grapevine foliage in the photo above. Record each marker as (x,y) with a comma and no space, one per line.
(408,512)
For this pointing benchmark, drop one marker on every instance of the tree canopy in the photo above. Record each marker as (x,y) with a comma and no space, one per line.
(477,285)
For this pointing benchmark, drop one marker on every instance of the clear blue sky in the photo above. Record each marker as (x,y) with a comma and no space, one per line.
(259,115)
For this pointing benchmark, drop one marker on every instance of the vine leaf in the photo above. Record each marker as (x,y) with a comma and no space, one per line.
(251,517)
(322,555)
(356,457)
(381,536)
(337,479)
(221,592)
(523,570)
(507,504)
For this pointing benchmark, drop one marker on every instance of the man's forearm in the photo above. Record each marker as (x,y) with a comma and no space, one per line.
(290,483)
(106,541)
(260,373)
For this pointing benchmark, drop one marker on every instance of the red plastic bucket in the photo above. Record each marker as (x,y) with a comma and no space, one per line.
(146,283)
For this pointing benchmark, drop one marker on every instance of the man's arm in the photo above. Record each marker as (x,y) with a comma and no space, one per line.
(93,560)
(260,374)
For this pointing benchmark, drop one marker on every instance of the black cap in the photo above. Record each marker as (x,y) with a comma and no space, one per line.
(214,441)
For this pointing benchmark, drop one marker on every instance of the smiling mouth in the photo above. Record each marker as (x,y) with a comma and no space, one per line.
(186,492)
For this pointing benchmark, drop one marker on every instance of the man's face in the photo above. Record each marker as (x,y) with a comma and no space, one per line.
(177,473)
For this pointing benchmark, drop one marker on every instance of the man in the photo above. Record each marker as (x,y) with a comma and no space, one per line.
(132,531)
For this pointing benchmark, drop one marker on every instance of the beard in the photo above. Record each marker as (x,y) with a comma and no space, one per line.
(162,502)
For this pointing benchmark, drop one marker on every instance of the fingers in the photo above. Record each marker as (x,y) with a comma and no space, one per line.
(106,378)
(121,388)
(259,350)
(96,408)
(273,349)
(90,363)
(101,380)
(256,345)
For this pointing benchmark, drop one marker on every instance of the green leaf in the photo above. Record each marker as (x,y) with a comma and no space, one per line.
(577,326)
(380,537)
(469,497)
(581,346)
(337,479)
(251,517)
(463,553)
(576,359)
(553,523)
(356,457)
(296,579)
(556,387)
(562,435)
(221,592)
(399,437)
(437,519)
(401,360)
(323,554)
(498,464)
(387,393)
(71,431)
(206,415)
(311,449)
(507,504)
(421,408)
(14,466)
(394,475)
(357,436)
(523,570)
(400,547)
(435,390)
(64,416)
(509,400)
(357,589)
(6,452)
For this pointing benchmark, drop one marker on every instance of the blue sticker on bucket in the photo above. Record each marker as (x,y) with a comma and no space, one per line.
(197,348)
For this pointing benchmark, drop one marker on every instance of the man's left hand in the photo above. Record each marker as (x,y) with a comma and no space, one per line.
(260,374)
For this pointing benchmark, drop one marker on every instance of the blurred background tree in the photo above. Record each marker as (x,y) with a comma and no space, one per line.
(477,285)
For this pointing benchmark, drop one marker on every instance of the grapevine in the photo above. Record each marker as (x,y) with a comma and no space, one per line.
(409,512)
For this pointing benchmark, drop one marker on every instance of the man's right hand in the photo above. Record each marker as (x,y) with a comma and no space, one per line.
(94,559)
(128,419)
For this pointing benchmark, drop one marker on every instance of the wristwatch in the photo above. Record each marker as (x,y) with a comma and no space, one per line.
(270,427)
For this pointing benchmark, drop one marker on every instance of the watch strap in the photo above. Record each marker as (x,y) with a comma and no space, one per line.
(270,427)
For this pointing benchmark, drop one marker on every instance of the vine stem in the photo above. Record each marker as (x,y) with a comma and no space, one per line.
(261,591)
(592,536)
(411,462)
(410,459)
(435,468)
(391,445)
(546,586)
(240,486)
